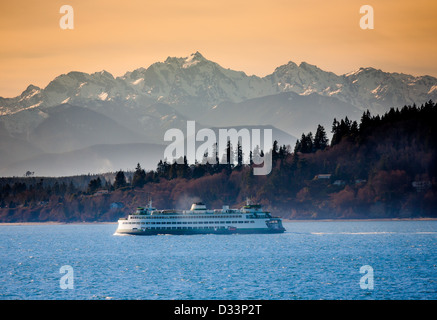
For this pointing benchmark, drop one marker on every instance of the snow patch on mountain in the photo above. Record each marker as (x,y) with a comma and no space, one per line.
(192,60)
(103,96)
(34,105)
(30,95)
(135,82)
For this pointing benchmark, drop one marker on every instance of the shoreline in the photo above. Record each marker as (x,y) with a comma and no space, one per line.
(364,219)
(283,220)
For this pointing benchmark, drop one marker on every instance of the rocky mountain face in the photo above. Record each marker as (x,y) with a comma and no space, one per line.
(78,110)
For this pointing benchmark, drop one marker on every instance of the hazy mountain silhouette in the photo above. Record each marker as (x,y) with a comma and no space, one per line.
(78,110)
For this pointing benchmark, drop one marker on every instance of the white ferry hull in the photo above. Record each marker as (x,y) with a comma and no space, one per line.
(198,220)
(146,232)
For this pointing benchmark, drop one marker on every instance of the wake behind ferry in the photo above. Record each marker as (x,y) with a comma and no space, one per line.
(199,220)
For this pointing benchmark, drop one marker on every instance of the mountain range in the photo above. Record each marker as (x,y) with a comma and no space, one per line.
(83,116)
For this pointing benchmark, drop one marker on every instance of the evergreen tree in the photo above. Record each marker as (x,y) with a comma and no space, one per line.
(94,185)
(183,170)
(354,131)
(160,168)
(340,129)
(297,146)
(275,150)
(310,142)
(365,121)
(303,143)
(239,155)
(229,154)
(215,164)
(120,180)
(306,143)
(320,139)
(283,153)
(139,177)
(215,155)
(172,171)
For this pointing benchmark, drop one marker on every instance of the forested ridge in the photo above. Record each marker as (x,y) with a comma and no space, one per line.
(380,167)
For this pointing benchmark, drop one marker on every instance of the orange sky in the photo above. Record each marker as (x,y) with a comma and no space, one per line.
(253,36)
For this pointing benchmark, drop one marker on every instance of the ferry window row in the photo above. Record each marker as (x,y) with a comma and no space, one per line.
(183,216)
(189,222)
(179,228)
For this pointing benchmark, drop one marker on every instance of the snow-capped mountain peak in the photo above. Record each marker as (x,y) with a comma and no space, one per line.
(192,60)
(194,84)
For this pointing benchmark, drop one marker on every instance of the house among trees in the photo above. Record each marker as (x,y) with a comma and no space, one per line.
(322,176)
(339,183)
(100,192)
(421,186)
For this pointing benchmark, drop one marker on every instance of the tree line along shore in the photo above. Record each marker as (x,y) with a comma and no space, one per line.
(381,167)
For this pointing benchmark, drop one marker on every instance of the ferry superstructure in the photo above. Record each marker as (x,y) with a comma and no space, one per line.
(199,220)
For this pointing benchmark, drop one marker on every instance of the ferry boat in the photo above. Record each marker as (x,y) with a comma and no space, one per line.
(199,220)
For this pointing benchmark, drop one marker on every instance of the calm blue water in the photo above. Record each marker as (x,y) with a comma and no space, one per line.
(312,260)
